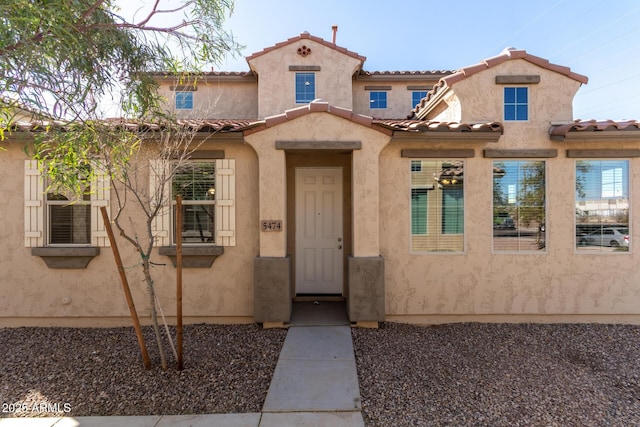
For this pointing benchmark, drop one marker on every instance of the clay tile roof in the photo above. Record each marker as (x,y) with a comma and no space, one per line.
(430,126)
(200,125)
(316,106)
(421,73)
(306,36)
(594,129)
(505,55)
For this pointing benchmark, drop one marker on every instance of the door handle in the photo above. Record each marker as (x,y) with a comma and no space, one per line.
(339,239)
(339,246)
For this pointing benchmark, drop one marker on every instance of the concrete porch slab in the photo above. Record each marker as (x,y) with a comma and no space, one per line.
(312,419)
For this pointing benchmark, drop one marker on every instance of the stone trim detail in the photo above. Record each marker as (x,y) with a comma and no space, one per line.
(436,154)
(318,145)
(510,154)
(377,88)
(304,68)
(516,80)
(193,256)
(66,258)
(366,290)
(594,154)
(272,293)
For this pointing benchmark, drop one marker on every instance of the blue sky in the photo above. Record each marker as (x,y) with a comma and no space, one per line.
(596,38)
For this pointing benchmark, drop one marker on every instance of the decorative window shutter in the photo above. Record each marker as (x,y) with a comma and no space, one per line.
(100,196)
(161,224)
(225,202)
(33,205)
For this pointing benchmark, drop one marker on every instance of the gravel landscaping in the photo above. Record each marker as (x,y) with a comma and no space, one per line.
(450,375)
(228,369)
(499,375)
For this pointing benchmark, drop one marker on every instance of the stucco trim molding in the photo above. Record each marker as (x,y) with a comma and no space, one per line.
(66,258)
(434,154)
(193,256)
(600,154)
(513,80)
(525,153)
(318,145)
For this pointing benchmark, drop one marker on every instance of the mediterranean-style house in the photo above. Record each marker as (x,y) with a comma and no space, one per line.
(422,197)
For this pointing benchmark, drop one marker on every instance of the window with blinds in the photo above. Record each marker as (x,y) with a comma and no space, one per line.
(68,219)
(437,205)
(602,206)
(196,183)
(519,205)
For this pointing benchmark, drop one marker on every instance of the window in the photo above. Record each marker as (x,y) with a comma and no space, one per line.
(208,195)
(377,100)
(519,205)
(195,182)
(305,87)
(68,219)
(416,96)
(184,100)
(516,103)
(437,205)
(602,205)
(58,218)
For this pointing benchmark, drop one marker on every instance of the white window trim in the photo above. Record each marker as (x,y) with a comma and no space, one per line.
(225,216)
(36,228)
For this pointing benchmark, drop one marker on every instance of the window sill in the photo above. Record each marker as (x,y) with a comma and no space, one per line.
(194,256)
(67,258)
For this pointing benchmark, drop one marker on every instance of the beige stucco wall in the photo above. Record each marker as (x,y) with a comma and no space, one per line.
(556,284)
(33,294)
(272,176)
(217,97)
(398,97)
(333,81)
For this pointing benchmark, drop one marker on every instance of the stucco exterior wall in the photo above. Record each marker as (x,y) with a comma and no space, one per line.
(557,284)
(399,102)
(217,97)
(333,81)
(33,294)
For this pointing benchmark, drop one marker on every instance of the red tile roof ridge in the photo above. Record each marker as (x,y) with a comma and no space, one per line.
(505,55)
(306,36)
(405,72)
(561,130)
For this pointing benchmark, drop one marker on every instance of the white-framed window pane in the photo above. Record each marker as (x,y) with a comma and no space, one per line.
(305,87)
(437,205)
(195,182)
(69,224)
(519,205)
(184,100)
(602,206)
(377,100)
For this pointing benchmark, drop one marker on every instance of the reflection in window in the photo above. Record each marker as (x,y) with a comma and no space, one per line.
(519,205)
(602,205)
(437,205)
(195,182)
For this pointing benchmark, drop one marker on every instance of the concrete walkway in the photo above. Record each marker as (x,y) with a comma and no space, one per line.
(315,383)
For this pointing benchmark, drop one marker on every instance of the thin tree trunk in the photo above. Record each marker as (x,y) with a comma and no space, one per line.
(154,312)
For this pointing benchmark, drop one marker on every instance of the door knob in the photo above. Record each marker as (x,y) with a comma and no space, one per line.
(339,239)
(339,246)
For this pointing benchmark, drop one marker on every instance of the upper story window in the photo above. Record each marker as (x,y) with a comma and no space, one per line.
(305,87)
(602,205)
(516,103)
(416,96)
(519,205)
(184,100)
(437,205)
(377,99)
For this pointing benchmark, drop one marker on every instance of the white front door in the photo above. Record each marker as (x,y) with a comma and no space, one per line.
(319,239)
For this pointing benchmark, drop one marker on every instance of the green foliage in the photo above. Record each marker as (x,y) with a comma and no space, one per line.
(61,57)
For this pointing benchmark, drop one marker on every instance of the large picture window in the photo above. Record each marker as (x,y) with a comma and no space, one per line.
(195,182)
(602,205)
(519,205)
(437,205)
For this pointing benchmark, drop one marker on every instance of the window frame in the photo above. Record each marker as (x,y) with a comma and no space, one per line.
(301,93)
(190,202)
(416,97)
(516,103)
(625,182)
(541,236)
(184,100)
(70,202)
(442,243)
(377,97)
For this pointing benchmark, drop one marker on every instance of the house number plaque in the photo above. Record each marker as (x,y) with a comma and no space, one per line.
(271,225)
